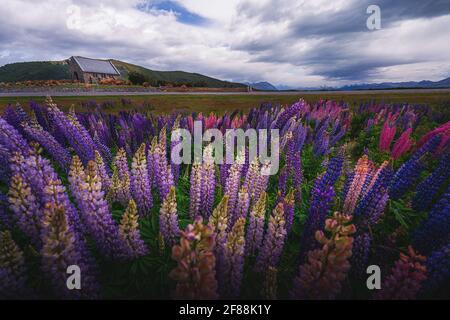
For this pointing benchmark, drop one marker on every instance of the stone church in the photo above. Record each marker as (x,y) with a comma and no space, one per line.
(87,70)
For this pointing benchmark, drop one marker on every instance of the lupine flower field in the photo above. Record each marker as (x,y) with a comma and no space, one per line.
(356,187)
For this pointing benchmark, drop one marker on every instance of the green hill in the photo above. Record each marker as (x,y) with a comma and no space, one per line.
(39,70)
(58,70)
(174,77)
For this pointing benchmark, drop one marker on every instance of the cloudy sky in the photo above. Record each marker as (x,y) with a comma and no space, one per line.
(299,43)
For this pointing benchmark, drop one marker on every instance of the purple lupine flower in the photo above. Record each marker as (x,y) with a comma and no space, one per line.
(23,116)
(12,269)
(242,205)
(348,182)
(334,139)
(44,183)
(12,117)
(121,163)
(434,230)
(129,232)
(251,179)
(168,219)
(140,184)
(102,172)
(232,185)
(255,229)
(195,190)
(84,133)
(234,258)
(368,180)
(360,254)
(320,204)
(123,172)
(300,137)
(49,143)
(96,216)
(41,115)
(26,208)
(290,152)
(103,149)
(289,209)
(208,182)
(224,168)
(428,189)
(78,138)
(321,140)
(377,211)
(373,202)
(297,176)
(438,271)
(321,144)
(4,164)
(11,139)
(262,181)
(162,171)
(288,113)
(334,170)
(410,171)
(282,181)
(429,147)
(60,249)
(273,243)
(406,176)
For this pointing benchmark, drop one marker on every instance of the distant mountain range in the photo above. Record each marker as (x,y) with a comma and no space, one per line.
(426,84)
(59,70)
(445,83)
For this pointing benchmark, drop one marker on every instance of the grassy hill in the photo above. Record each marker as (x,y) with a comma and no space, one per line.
(175,77)
(52,70)
(40,70)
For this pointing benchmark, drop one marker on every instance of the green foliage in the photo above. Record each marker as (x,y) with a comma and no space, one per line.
(137,78)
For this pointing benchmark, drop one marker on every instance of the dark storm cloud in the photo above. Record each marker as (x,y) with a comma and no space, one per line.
(337,34)
(353,18)
(334,59)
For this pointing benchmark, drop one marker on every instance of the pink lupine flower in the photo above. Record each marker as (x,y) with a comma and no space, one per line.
(444,129)
(386,136)
(402,145)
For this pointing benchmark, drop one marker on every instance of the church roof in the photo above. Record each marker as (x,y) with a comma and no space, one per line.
(96,65)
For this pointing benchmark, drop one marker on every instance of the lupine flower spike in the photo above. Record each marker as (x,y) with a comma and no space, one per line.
(273,243)
(195,272)
(129,232)
(321,277)
(168,219)
(406,278)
